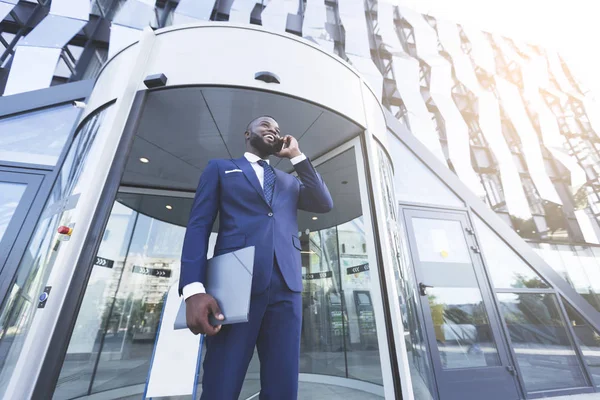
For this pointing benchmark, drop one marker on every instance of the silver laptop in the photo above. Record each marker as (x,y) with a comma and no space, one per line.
(229,281)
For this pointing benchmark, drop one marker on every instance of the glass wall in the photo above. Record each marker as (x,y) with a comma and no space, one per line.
(589,341)
(38,260)
(539,335)
(541,342)
(10,194)
(138,261)
(36,137)
(578,265)
(418,354)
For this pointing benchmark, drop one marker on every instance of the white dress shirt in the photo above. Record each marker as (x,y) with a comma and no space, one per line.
(197,287)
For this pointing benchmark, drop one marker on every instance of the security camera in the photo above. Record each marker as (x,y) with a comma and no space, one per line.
(79,104)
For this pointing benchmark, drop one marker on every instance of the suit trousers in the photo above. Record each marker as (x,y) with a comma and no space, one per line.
(274,327)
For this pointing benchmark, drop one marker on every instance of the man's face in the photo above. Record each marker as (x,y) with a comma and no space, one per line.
(264,136)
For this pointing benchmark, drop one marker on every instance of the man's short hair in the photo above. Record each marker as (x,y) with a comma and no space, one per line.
(251,123)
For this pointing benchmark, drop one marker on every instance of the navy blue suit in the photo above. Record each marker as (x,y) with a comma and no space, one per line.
(247,219)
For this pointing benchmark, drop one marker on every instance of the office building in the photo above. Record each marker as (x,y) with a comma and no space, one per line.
(461,260)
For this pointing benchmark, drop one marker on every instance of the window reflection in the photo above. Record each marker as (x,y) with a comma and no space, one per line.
(10,194)
(577,265)
(540,341)
(36,137)
(414,182)
(339,334)
(588,339)
(506,268)
(462,330)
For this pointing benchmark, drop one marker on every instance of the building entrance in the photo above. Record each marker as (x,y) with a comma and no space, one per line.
(139,251)
(467,348)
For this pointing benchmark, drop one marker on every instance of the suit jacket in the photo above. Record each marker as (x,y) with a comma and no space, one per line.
(246,219)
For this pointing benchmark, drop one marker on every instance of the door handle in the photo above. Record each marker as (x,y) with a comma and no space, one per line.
(423,288)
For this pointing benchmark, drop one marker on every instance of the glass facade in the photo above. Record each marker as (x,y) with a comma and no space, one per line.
(36,137)
(19,307)
(10,194)
(578,265)
(588,339)
(417,350)
(541,342)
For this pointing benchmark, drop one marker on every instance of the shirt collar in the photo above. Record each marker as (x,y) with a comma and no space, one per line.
(253,158)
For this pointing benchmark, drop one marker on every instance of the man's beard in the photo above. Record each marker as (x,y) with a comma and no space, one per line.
(263,147)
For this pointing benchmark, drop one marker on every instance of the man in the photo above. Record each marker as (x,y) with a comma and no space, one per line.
(257,206)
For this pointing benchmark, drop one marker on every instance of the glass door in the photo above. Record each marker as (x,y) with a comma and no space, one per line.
(469,356)
(17,192)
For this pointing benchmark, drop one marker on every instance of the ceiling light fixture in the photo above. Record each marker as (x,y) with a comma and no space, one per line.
(315,218)
(169,207)
(144,160)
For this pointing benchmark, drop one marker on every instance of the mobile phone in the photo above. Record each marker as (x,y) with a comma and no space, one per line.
(279,144)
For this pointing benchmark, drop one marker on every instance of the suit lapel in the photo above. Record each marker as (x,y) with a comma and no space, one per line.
(247,169)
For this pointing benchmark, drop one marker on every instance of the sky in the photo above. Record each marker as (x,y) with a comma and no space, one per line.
(571,27)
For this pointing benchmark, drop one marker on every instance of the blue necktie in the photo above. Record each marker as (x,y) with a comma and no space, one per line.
(269,180)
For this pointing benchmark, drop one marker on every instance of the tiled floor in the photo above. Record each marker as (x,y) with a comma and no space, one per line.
(307,391)
(315,391)
(589,396)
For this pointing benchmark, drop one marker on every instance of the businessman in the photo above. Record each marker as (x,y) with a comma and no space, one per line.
(257,206)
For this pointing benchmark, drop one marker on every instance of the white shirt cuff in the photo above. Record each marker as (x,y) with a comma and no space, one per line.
(192,289)
(298,159)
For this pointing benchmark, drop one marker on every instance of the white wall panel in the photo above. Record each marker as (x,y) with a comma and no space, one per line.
(588,225)
(126,27)
(407,70)
(481,50)
(592,109)
(305,70)
(36,55)
(135,14)
(369,72)
(535,76)
(6,7)
(463,67)
(440,88)
(121,37)
(111,80)
(357,47)
(274,17)
(489,112)
(515,108)
(313,25)
(491,127)
(407,74)
(33,69)
(560,76)
(387,28)
(241,10)
(193,10)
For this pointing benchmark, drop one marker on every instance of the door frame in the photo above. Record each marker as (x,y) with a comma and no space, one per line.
(500,332)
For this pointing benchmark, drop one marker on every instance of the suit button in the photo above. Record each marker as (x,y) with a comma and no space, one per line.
(270,214)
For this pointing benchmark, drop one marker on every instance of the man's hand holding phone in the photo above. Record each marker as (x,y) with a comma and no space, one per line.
(290,148)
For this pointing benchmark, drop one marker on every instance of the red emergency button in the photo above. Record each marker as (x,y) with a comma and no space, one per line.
(65,230)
